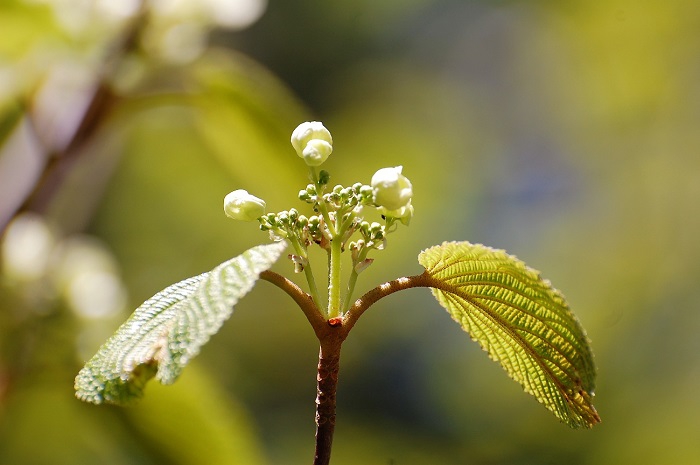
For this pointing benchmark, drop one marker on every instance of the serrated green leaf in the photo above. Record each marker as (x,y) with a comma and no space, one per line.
(521,321)
(167,330)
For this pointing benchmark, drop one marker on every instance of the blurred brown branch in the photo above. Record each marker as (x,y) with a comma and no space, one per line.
(61,158)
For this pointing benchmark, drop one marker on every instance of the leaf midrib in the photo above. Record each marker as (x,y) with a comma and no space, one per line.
(437,284)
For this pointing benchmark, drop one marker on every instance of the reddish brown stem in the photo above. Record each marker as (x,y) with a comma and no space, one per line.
(383,290)
(326,387)
(331,334)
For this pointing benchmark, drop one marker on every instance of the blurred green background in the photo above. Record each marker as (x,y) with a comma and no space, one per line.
(564,132)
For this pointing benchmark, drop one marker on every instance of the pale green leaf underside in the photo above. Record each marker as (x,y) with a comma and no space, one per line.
(167,330)
(521,321)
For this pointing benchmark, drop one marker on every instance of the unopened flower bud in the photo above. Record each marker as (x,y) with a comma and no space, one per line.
(316,152)
(312,142)
(364,228)
(304,196)
(366,194)
(391,189)
(240,205)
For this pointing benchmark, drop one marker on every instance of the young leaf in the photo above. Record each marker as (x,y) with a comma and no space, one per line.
(167,330)
(521,321)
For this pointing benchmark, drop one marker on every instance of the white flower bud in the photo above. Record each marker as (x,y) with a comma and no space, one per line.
(391,189)
(316,152)
(240,205)
(312,142)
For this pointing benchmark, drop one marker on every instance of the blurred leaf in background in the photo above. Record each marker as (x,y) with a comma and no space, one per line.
(564,132)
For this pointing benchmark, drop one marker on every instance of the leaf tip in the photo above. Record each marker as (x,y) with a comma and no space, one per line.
(123,390)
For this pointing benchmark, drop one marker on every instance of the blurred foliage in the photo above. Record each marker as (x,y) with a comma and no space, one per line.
(564,132)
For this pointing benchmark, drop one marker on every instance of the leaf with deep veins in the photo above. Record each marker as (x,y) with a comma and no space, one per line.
(167,330)
(521,321)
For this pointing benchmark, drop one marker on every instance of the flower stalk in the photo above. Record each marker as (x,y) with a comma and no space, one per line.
(339,215)
(334,277)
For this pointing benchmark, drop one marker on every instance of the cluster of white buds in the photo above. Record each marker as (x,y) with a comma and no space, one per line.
(338,215)
(338,212)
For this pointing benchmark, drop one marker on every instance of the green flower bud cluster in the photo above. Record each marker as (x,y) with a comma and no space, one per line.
(297,228)
(373,237)
(374,234)
(340,198)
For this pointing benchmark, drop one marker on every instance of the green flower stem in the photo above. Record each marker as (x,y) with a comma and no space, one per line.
(334,277)
(312,285)
(320,203)
(335,250)
(314,175)
(327,219)
(308,272)
(353,279)
(347,223)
